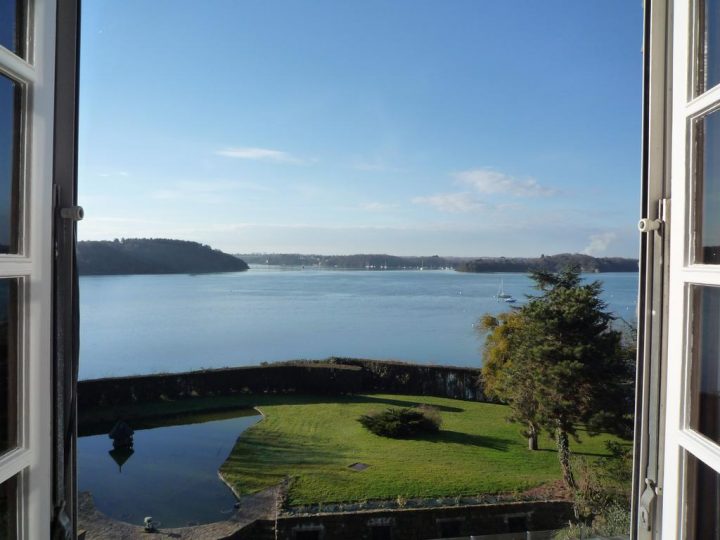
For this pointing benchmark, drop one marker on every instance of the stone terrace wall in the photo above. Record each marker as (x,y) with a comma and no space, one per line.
(333,376)
(429,380)
(418,524)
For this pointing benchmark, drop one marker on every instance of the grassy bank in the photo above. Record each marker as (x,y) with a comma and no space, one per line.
(315,439)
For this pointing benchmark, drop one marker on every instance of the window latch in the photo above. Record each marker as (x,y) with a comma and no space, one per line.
(646,225)
(647,504)
(74,213)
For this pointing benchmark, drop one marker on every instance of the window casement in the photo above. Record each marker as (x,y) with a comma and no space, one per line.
(691,442)
(38,308)
(27,85)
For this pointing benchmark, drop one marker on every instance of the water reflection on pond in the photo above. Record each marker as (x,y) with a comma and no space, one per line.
(171,473)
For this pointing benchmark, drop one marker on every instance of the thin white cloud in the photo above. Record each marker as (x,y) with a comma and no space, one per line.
(491,182)
(214,191)
(259,154)
(599,243)
(377,206)
(452,202)
(111,174)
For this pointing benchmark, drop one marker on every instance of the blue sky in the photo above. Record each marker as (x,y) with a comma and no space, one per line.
(447,127)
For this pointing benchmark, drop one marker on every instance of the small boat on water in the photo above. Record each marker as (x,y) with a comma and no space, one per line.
(501,292)
(510,300)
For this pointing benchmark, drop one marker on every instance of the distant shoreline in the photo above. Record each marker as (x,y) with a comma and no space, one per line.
(149,256)
(552,263)
(280,267)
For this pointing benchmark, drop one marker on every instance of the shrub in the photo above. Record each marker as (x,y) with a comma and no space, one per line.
(400,423)
(603,495)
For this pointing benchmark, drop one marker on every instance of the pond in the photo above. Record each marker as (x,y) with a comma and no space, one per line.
(172,473)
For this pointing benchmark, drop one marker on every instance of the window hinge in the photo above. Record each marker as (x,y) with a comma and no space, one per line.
(647,505)
(664,210)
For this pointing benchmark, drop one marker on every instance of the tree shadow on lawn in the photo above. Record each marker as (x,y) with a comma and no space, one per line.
(400,403)
(466,439)
(574,452)
(295,399)
(277,450)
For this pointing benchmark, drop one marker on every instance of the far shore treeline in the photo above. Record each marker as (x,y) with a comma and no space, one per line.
(166,256)
(153,256)
(550,263)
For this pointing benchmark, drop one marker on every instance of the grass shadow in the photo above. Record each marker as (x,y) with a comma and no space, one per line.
(388,402)
(574,452)
(448,436)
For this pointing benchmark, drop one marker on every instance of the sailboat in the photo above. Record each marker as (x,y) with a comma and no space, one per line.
(501,292)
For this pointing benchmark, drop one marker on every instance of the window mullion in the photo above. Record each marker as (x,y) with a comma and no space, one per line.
(699,274)
(700,447)
(14,462)
(703,102)
(16,67)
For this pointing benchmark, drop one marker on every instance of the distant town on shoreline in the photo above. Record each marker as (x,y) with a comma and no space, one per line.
(168,256)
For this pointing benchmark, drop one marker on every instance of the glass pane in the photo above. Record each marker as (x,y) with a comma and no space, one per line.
(12,25)
(8,508)
(10,110)
(707,200)
(709,45)
(8,365)
(705,399)
(703,501)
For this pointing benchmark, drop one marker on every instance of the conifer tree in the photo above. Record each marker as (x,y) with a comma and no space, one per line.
(559,363)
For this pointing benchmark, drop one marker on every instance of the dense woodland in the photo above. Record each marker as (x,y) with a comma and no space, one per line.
(550,263)
(153,256)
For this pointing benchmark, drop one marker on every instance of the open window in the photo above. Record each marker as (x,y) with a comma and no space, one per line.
(677,443)
(27,164)
(678,435)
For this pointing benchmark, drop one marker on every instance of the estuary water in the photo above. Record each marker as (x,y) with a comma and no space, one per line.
(166,323)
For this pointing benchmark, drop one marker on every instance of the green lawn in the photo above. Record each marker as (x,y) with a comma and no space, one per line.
(314,439)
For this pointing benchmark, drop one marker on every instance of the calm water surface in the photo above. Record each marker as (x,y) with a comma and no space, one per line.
(146,324)
(171,475)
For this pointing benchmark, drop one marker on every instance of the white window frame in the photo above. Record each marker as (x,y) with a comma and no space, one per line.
(33,458)
(679,437)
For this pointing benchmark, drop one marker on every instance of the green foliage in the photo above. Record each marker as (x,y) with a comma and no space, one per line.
(504,378)
(604,489)
(575,531)
(402,422)
(559,363)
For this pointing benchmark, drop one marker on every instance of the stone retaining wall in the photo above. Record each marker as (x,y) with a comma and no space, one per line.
(417,524)
(332,376)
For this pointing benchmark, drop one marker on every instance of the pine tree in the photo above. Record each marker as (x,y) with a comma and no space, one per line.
(560,363)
